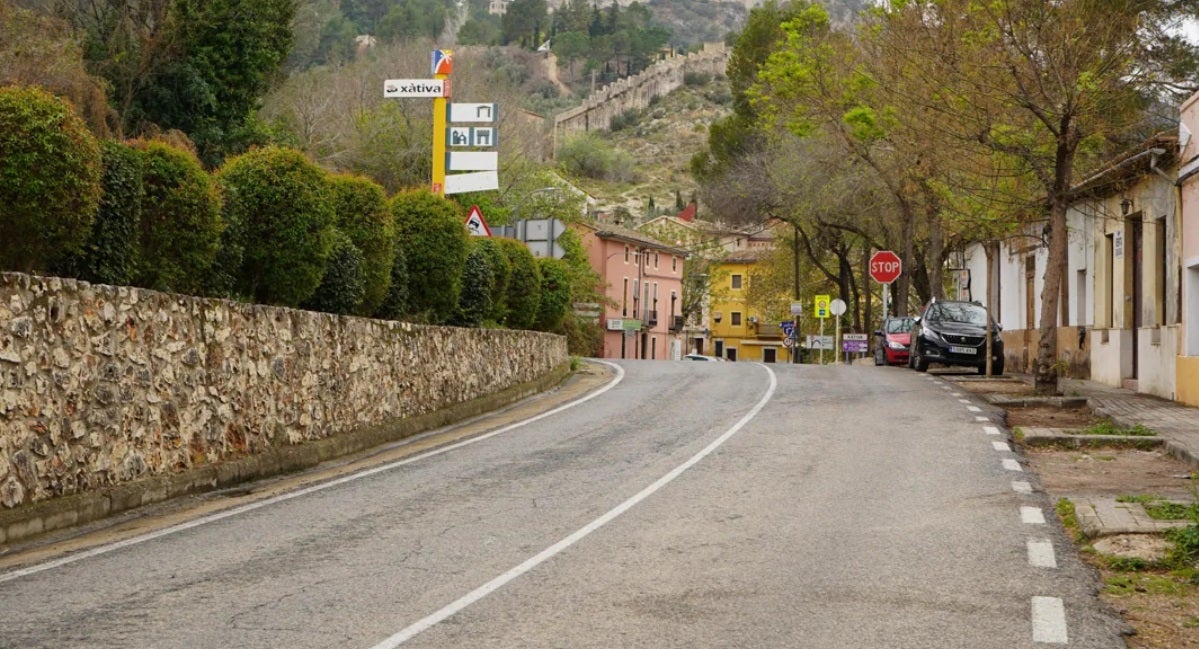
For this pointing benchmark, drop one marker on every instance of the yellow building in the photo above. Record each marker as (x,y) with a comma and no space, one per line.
(738,330)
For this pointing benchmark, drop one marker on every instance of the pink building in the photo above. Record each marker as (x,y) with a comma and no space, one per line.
(643,283)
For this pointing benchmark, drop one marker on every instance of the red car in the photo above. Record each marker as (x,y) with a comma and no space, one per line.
(893,341)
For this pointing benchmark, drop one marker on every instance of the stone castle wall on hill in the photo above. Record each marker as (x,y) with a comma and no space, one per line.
(102,386)
(636,92)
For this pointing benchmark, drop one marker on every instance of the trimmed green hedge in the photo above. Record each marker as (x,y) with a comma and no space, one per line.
(344,283)
(50,169)
(555,294)
(431,232)
(280,210)
(524,285)
(362,215)
(180,228)
(109,256)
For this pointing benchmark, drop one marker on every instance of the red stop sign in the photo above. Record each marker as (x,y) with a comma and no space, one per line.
(885,266)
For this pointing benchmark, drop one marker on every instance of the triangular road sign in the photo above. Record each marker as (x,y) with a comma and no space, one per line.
(475,225)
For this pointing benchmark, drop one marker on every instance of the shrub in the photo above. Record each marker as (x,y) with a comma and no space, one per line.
(524,285)
(343,284)
(501,273)
(395,303)
(555,294)
(180,227)
(475,302)
(278,204)
(362,215)
(431,233)
(109,256)
(50,170)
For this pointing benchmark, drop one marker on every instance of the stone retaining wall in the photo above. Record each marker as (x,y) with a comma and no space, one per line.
(105,386)
(635,93)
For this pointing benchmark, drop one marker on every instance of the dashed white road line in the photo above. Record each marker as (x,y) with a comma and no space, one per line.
(1032,515)
(991,430)
(1012,465)
(963,401)
(955,394)
(981,418)
(1001,446)
(974,409)
(1049,620)
(1021,487)
(1040,554)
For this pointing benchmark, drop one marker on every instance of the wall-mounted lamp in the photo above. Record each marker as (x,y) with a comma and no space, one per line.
(1126,206)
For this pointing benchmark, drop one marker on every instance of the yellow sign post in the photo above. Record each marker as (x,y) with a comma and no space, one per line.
(443,64)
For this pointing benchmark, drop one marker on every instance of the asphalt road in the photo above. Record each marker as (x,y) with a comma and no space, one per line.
(687,505)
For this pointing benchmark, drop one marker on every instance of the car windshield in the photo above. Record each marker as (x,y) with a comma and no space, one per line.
(963,312)
(899,325)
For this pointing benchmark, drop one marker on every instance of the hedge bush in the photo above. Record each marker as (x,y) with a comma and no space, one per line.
(180,227)
(109,255)
(478,280)
(344,282)
(50,169)
(524,285)
(395,303)
(279,206)
(432,234)
(362,215)
(501,273)
(555,294)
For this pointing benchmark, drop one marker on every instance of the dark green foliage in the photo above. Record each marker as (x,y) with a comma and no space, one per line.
(501,273)
(181,225)
(524,286)
(362,215)
(475,302)
(278,204)
(395,303)
(431,232)
(555,294)
(343,285)
(50,169)
(109,256)
(1186,545)
(409,19)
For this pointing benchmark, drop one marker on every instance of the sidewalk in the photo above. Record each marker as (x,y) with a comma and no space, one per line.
(1176,424)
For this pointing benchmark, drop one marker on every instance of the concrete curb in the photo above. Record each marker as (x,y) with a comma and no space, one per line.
(1107,517)
(1042,437)
(49,515)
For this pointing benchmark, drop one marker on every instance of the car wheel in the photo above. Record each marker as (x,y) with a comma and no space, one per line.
(920,363)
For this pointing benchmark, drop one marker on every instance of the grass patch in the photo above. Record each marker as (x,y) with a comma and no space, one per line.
(1069,515)
(1018,434)
(1144,499)
(1107,427)
(1150,583)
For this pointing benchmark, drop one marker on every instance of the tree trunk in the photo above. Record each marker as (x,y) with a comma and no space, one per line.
(1045,373)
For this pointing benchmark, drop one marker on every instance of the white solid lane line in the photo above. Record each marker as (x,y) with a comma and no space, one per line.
(1049,620)
(486,589)
(136,540)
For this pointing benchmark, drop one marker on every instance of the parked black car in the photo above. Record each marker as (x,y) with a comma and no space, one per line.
(955,333)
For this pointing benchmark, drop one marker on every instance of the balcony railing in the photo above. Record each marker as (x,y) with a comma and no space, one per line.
(676,323)
(651,318)
(769,331)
